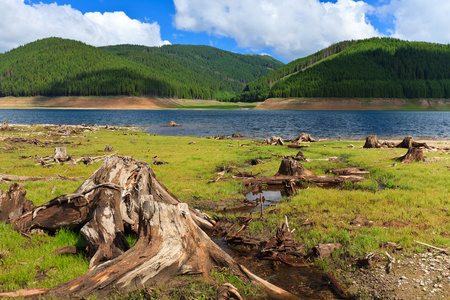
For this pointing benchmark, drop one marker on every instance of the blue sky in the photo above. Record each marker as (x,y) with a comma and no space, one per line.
(285,29)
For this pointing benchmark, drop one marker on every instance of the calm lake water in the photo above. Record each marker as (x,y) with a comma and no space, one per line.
(252,123)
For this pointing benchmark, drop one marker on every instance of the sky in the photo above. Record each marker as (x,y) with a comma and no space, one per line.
(284,29)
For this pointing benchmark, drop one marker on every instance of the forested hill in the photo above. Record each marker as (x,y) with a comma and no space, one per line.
(371,68)
(61,67)
(203,65)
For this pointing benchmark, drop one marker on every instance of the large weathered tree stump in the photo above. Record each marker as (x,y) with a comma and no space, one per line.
(413,154)
(13,204)
(5,126)
(372,142)
(124,195)
(408,142)
(303,138)
(274,140)
(291,167)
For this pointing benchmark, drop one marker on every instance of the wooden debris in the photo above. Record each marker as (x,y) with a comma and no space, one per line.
(173,124)
(368,260)
(331,159)
(121,195)
(413,154)
(5,126)
(348,171)
(293,146)
(331,280)
(274,140)
(303,138)
(324,250)
(30,178)
(108,148)
(13,204)
(393,246)
(390,265)
(237,135)
(372,142)
(408,142)
(432,247)
(290,167)
(24,293)
(256,161)
(160,162)
(227,292)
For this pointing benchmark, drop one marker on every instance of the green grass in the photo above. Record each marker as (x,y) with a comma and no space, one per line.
(403,203)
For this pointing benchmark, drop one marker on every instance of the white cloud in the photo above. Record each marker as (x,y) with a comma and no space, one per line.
(21,23)
(419,20)
(291,28)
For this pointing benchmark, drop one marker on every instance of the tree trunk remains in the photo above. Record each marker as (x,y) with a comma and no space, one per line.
(303,138)
(13,204)
(372,142)
(124,195)
(408,142)
(108,148)
(5,126)
(413,154)
(274,140)
(290,167)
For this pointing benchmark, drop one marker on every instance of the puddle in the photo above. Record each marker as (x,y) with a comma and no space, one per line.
(381,186)
(306,283)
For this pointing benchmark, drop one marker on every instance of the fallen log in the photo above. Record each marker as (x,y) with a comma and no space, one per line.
(31,178)
(332,159)
(348,171)
(124,195)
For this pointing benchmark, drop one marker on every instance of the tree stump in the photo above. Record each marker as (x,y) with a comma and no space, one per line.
(292,167)
(124,195)
(60,154)
(274,140)
(108,148)
(5,126)
(413,154)
(408,142)
(13,204)
(372,142)
(302,138)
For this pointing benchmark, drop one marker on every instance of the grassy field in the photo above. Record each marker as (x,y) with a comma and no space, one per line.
(401,202)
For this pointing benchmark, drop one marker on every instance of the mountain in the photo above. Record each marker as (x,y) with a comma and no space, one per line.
(371,68)
(61,67)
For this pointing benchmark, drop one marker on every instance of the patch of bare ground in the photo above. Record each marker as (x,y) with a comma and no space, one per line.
(107,102)
(348,104)
(419,276)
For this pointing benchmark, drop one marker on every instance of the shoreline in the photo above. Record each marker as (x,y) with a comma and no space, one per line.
(113,103)
(154,103)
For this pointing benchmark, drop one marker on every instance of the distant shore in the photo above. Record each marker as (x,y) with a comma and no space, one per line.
(142,103)
(351,104)
(114,102)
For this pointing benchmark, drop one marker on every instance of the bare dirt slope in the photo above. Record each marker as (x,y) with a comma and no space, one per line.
(111,102)
(351,104)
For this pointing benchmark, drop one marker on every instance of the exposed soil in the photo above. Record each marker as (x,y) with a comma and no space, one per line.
(351,104)
(420,276)
(110,102)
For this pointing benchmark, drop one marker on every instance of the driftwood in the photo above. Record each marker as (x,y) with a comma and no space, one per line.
(274,140)
(124,195)
(303,138)
(228,291)
(237,135)
(372,142)
(30,178)
(348,171)
(408,142)
(331,159)
(413,154)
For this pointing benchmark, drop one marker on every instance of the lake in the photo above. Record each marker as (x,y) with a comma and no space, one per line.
(251,123)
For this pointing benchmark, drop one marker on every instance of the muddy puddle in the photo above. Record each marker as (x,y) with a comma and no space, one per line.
(304,282)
